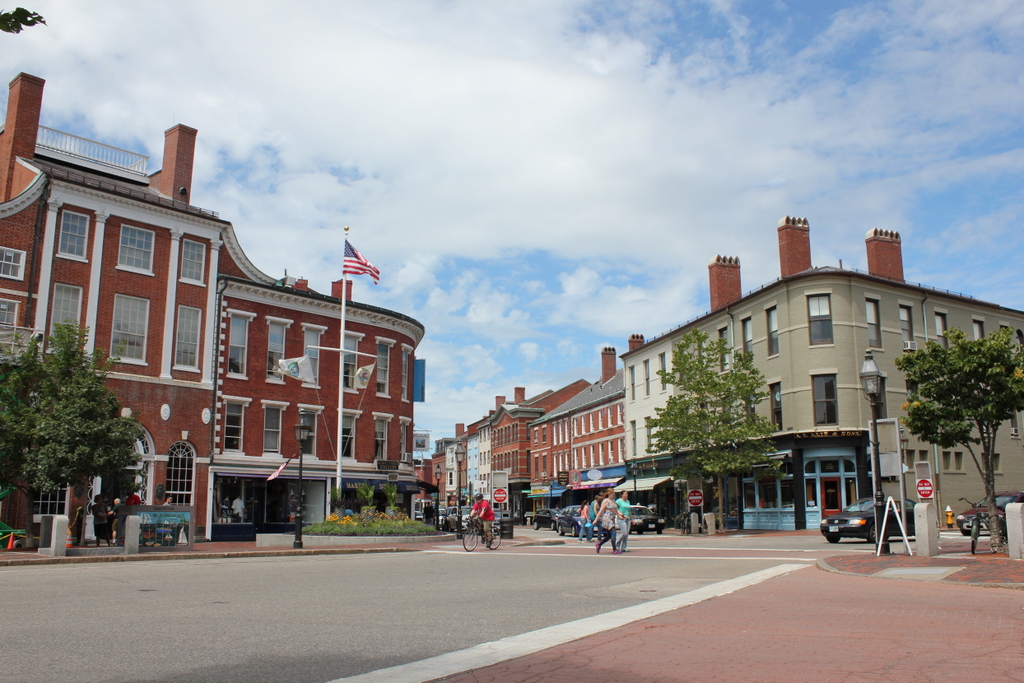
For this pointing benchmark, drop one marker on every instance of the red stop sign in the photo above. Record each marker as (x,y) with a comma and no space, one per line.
(925,488)
(695,497)
(500,495)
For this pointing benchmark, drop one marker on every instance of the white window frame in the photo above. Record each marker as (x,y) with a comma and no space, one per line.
(12,263)
(380,453)
(179,342)
(309,415)
(127,233)
(247,318)
(275,323)
(185,246)
(56,310)
(65,218)
(143,325)
(8,312)
(311,335)
(384,367)
(406,357)
(268,408)
(242,404)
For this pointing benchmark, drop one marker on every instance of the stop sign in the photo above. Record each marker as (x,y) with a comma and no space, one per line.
(925,488)
(695,497)
(500,495)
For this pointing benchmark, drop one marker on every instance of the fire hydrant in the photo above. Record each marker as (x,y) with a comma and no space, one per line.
(949,517)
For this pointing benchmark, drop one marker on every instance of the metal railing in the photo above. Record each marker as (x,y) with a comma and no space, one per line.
(93,151)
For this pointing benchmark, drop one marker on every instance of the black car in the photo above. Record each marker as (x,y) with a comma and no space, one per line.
(643,519)
(545,519)
(858,521)
(1003,498)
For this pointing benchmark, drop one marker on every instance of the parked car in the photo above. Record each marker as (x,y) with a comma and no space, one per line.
(568,521)
(858,521)
(1003,498)
(545,519)
(451,518)
(643,519)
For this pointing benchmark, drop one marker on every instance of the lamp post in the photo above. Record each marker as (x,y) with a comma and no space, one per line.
(302,433)
(437,506)
(460,457)
(871,379)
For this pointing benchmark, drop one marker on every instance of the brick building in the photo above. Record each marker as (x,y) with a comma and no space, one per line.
(87,234)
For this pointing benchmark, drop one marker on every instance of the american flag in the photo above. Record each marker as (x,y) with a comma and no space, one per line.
(356,264)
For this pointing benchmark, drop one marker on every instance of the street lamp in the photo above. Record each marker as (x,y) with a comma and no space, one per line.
(302,433)
(871,379)
(437,507)
(460,457)
(633,471)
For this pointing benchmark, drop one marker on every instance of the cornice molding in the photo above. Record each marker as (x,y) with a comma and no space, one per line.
(25,199)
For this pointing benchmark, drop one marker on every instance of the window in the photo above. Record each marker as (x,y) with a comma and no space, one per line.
(940,330)
(8,312)
(907,323)
(953,462)
(747,327)
(826,408)
(723,361)
(663,368)
(979,329)
(271,429)
(131,321)
(136,249)
(12,263)
(193,258)
(632,382)
(348,435)
(74,229)
(380,438)
(179,473)
(275,348)
(51,502)
(405,375)
(238,335)
(819,315)
(647,378)
(311,338)
(186,350)
(772,318)
(351,344)
(775,399)
(67,304)
(874,326)
(632,435)
(383,365)
(234,414)
(308,418)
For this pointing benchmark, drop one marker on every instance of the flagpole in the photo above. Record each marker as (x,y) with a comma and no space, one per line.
(341,374)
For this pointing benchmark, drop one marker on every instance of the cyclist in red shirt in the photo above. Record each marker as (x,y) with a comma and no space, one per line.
(482,509)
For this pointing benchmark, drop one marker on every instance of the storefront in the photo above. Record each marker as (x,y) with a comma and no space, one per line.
(245,505)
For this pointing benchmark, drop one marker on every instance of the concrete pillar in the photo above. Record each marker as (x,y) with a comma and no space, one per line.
(694,523)
(1015,530)
(58,537)
(131,530)
(711,522)
(926,529)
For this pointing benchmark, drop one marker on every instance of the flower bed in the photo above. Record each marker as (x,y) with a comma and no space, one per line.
(369,523)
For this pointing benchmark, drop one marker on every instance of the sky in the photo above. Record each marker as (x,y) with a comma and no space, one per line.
(539,179)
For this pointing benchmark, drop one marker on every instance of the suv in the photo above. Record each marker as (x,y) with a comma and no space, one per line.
(451,518)
(1003,498)
(858,521)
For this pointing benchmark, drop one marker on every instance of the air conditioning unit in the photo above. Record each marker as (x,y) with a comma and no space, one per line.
(910,346)
(1014,431)
(407,457)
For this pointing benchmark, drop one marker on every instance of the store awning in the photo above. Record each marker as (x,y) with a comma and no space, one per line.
(598,484)
(426,486)
(642,484)
(558,490)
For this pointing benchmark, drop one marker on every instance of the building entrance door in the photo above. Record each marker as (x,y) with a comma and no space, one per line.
(831,496)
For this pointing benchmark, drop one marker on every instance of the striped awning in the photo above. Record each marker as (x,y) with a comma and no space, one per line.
(642,484)
(598,484)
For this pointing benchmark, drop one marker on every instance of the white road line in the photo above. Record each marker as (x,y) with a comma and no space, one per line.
(511,647)
(526,553)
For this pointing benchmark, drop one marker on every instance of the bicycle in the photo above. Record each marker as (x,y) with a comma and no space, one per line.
(474,535)
(982,520)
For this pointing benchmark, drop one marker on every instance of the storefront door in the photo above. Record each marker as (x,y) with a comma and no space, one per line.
(831,496)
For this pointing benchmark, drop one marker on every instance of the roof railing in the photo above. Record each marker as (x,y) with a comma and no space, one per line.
(90,150)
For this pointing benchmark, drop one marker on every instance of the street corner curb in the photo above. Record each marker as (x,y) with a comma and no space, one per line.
(823,564)
(528,543)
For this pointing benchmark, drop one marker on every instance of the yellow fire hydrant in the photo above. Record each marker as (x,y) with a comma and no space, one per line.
(949,517)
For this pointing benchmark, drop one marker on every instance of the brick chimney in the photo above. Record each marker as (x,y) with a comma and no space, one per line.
(885,254)
(336,289)
(499,401)
(460,429)
(636,341)
(301,284)
(179,153)
(520,395)
(607,363)
(24,103)
(794,246)
(724,276)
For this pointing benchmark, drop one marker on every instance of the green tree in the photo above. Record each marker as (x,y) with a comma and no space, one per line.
(961,395)
(59,423)
(19,18)
(712,419)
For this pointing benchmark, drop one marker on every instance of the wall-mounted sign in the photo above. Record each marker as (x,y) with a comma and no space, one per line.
(387,465)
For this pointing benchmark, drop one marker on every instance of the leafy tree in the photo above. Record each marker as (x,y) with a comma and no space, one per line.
(15,21)
(59,423)
(961,395)
(712,418)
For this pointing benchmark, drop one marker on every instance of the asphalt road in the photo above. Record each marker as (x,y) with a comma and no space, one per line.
(321,618)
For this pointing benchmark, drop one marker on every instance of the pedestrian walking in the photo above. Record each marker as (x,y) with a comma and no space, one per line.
(587,521)
(607,513)
(101,520)
(624,520)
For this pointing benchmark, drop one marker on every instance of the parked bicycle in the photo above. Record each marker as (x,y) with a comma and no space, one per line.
(474,536)
(982,521)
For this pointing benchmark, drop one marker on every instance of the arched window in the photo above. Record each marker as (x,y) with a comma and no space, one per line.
(180,458)
(1020,337)
(144,447)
